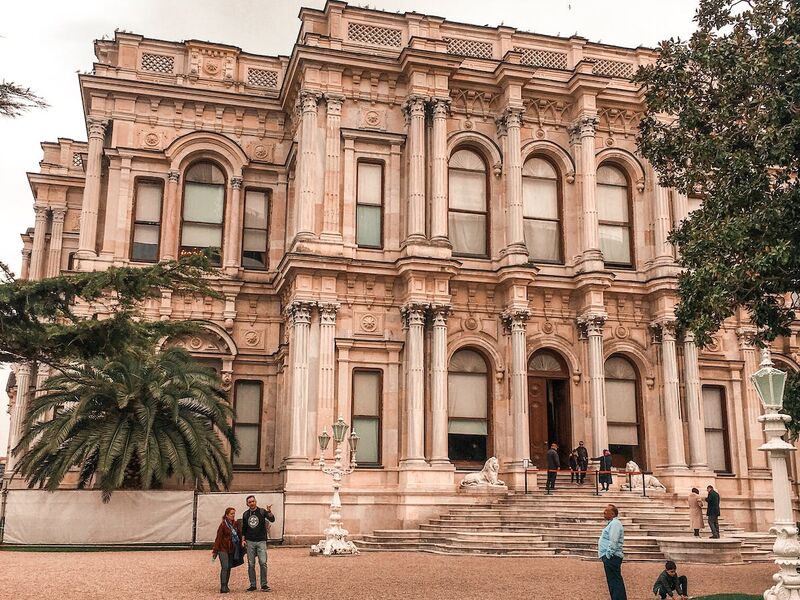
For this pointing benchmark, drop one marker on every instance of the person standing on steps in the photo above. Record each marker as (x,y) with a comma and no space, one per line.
(696,511)
(605,470)
(254,532)
(583,460)
(712,512)
(609,550)
(553,464)
(573,467)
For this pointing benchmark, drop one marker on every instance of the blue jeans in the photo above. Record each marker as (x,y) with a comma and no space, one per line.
(257,549)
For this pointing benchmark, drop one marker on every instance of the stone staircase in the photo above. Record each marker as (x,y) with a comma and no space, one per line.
(568,522)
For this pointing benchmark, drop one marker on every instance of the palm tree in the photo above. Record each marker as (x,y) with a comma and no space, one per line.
(131,422)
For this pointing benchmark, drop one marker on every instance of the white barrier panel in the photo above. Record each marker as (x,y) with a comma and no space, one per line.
(79,517)
(211,507)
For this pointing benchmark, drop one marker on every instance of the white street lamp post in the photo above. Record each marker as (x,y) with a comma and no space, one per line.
(769,383)
(336,541)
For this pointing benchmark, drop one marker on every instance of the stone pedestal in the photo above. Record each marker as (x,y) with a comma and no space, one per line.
(701,550)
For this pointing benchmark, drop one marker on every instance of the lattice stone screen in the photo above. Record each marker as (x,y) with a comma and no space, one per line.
(159,63)
(262,78)
(464,47)
(543,58)
(613,68)
(77,160)
(377,36)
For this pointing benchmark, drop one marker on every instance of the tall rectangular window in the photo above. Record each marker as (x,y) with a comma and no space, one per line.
(367,392)
(247,422)
(369,205)
(146,221)
(716,428)
(254,234)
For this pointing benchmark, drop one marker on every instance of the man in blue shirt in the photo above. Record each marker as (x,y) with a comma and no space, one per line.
(609,550)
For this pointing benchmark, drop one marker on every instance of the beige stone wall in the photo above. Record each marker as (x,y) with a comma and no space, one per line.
(405,91)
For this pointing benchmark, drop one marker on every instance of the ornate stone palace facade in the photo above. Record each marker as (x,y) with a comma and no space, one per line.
(441,232)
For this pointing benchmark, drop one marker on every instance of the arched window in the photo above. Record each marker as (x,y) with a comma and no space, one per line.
(541,210)
(203,209)
(613,211)
(622,411)
(468,217)
(468,400)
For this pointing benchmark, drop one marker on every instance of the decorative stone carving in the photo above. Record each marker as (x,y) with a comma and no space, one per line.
(97,127)
(252,337)
(651,482)
(227,380)
(486,477)
(414,314)
(263,152)
(471,323)
(327,312)
(591,324)
(548,327)
(621,332)
(514,320)
(299,312)
(372,118)
(369,323)
(151,139)
(584,126)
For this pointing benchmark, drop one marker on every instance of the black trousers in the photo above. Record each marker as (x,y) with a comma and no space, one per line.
(616,585)
(683,588)
(551,480)
(713,523)
(582,466)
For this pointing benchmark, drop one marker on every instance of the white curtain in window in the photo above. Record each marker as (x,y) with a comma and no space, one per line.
(203,203)
(543,240)
(255,209)
(712,408)
(148,202)
(615,244)
(370,176)
(368,225)
(467,190)
(467,233)
(467,395)
(248,402)
(612,203)
(255,240)
(202,236)
(248,443)
(366,393)
(468,427)
(624,435)
(540,198)
(367,430)
(621,401)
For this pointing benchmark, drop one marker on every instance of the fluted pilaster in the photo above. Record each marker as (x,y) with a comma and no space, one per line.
(331,227)
(170,230)
(511,122)
(514,323)
(414,321)
(582,134)
(233,252)
(305,182)
(91,191)
(676,457)
(439,453)
(39,234)
(698,452)
(19,412)
(414,109)
(753,408)
(56,242)
(299,316)
(591,327)
(439,204)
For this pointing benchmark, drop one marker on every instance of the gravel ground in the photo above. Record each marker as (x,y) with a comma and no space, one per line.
(177,575)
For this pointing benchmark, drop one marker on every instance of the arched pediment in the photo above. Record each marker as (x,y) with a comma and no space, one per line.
(207,144)
(479,142)
(211,339)
(562,159)
(481,342)
(626,161)
(556,344)
(633,352)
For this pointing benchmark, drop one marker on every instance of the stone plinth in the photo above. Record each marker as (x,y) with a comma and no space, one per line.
(701,550)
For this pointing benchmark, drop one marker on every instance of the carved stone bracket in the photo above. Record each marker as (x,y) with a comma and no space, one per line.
(174,176)
(334,104)
(236,183)
(309,100)
(97,127)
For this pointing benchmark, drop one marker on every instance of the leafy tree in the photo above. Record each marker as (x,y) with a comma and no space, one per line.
(134,421)
(723,119)
(16,99)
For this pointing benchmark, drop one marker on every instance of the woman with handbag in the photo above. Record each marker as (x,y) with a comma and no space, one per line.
(228,548)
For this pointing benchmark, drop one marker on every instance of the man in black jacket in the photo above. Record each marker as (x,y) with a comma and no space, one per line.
(712,512)
(254,538)
(669,582)
(553,464)
(583,461)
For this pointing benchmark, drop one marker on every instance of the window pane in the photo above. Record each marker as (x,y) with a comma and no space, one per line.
(467,233)
(467,361)
(203,203)
(467,190)
(619,368)
(367,431)
(712,408)
(465,159)
(611,175)
(615,244)
(145,242)
(252,259)
(205,172)
(624,435)
(468,426)
(255,210)
(467,395)
(543,240)
(248,402)
(370,183)
(366,393)
(621,401)
(248,440)
(715,442)
(255,239)
(148,202)
(368,225)
(612,203)
(467,447)
(202,236)
(546,362)
(538,167)
(540,198)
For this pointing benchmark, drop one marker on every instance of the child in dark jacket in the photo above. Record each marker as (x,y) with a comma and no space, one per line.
(669,582)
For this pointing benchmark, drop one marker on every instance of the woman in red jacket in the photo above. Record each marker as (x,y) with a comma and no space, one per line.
(228,547)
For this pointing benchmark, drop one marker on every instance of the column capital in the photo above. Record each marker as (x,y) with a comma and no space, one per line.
(747,337)
(591,323)
(514,319)
(440,313)
(414,313)
(583,126)
(414,106)
(59,213)
(41,212)
(327,312)
(440,107)
(236,183)
(22,369)
(174,176)
(309,100)
(97,127)
(299,312)
(333,103)
(664,329)
(26,253)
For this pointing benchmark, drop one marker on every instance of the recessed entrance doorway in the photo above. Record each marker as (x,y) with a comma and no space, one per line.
(549,407)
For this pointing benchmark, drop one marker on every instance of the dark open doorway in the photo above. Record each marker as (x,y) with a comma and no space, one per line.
(549,407)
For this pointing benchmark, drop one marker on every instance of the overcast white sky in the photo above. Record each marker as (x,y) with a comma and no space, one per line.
(44,43)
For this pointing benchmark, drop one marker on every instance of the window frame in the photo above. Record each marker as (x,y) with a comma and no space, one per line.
(225,187)
(559,200)
(471,464)
(268,194)
(725,430)
(487,196)
(257,465)
(628,225)
(379,416)
(136,181)
(641,432)
(382,165)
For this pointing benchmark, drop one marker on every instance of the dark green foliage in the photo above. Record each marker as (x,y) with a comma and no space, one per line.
(15,99)
(133,422)
(723,117)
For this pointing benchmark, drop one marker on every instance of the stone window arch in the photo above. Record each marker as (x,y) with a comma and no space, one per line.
(203,210)
(468,401)
(542,210)
(614,212)
(468,203)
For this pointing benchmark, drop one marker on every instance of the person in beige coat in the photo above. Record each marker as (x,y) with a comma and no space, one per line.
(696,511)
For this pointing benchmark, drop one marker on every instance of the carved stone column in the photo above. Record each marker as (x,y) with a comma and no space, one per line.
(514,322)
(56,242)
(439,204)
(698,452)
(582,134)
(25,270)
(414,317)
(233,251)
(331,228)
(327,364)
(299,314)
(591,326)
(39,234)
(17,429)
(515,240)
(676,457)
(663,225)
(414,109)
(306,185)
(91,191)
(752,404)
(170,232)
(439,453)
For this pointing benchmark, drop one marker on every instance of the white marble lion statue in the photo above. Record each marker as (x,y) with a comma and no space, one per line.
(651,482)
(486,477)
